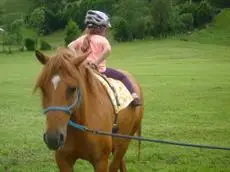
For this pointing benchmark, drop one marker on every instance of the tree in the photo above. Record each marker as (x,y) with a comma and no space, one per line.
(17,33)
(2,34)
(220,3)
(72,32)
(12,34)
(55,13)
(72,11)
(2,31)
(160,12)
(1,16)
(130,16)
(137,18)
(121,29)
(37,22)
(204,13)
(102,5)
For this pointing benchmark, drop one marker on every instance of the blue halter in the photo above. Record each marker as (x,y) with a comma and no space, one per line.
(67,109)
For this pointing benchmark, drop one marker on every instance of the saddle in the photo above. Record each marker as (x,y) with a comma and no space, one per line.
(117,91)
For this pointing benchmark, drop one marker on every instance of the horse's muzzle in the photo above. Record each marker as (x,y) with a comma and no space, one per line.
(54,140)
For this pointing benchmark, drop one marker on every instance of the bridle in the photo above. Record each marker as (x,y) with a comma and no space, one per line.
(67,109)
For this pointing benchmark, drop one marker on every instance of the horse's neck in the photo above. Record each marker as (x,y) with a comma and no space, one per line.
(95,104)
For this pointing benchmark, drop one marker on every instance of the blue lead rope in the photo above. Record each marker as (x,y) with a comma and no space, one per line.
(77,102)
(77,126)
(103,133)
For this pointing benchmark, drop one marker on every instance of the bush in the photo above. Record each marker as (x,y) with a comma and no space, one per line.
(130,21)
(204,14)
(188,8)
(72,32)
(161,11)
(53,21)
(138,28)
(187,20)
(45,45)
(220,3)
(30,44)
(175,24)
(37,20)
(121,30)
(147,25)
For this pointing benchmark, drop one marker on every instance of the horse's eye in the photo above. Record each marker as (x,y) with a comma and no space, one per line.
(70,91)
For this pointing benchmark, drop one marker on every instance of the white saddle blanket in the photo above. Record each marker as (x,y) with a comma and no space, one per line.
(123,94)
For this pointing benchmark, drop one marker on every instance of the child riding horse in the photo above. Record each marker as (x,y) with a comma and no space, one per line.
(95,42)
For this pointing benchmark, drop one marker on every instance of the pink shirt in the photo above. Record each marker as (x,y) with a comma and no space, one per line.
(97,45)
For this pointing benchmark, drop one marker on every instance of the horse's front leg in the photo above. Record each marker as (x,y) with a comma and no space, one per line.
(102,165)
(65,161)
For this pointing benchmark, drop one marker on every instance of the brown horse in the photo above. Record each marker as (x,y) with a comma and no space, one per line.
(67,80)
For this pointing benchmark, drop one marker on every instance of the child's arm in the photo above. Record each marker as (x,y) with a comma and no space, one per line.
(74,45)
(104,54)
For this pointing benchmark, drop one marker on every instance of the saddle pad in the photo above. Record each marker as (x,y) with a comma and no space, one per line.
(123,94)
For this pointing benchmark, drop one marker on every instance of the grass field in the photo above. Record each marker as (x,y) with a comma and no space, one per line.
(187,99)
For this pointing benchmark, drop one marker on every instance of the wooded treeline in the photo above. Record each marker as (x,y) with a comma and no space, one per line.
(131,19)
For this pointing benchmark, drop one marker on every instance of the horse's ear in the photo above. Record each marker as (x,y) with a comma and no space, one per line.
(43,59)
(81,58)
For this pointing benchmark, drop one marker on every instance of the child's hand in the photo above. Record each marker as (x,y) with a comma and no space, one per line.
(93,66)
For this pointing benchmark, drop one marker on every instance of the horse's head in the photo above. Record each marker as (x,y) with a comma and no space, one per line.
(59,82)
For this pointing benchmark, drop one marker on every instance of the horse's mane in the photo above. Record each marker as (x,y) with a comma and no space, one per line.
(62,63)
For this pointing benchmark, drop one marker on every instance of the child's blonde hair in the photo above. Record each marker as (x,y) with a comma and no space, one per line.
(89,31)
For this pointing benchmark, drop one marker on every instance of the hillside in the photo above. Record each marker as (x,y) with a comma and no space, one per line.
(218,32)
(2,2)
(13,10)
(13,6)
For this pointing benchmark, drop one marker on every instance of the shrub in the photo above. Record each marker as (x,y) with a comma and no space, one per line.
(72,32)
(130,20)
(188,8)
(45,45)
(220,3)
(147,25)
(37,20)
(121,30)
(187,20)
(161,11)
(175,23)
(138,28)
(30,44)
(204,13)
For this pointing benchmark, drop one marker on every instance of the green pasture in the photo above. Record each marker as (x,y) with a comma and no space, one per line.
(187,99)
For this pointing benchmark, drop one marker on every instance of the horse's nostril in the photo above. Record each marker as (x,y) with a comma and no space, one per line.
(53,140)
(45,138)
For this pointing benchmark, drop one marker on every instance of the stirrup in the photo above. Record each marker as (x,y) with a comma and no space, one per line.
(136,102)
(115,128)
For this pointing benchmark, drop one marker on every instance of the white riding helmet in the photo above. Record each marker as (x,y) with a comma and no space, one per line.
(97,18)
